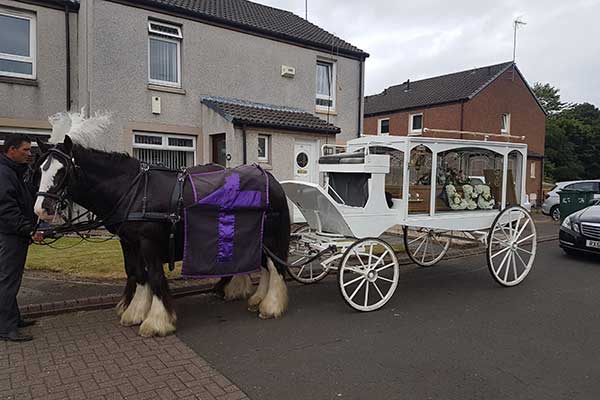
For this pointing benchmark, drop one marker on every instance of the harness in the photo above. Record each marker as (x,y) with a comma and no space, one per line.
(63,201)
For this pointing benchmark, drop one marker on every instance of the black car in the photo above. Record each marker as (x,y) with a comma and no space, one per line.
(580,231)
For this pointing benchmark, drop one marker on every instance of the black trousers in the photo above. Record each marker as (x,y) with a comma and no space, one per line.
(13,253)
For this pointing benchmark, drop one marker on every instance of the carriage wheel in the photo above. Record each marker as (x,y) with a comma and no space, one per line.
(307,273)
(511,246)
(424,246)
(368,274)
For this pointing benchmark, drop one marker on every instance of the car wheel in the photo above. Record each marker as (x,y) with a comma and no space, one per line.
(555,213)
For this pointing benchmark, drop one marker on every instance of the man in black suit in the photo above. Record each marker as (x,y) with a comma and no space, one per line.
(17,222)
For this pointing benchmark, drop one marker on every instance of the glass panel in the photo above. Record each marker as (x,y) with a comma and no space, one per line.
(470,179)
(385,126)
(324,79)
(262,147)
(324,103)
(16,67)
(14,36)
(419,190)
(146,139)
(417,122)
(513,183)
(169,158)
(163,60)
(179,142)
(395,178)
(302,160)
(582,186)
(169,30)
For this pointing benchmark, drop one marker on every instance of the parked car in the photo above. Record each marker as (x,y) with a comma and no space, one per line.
(580,231)
(552,201)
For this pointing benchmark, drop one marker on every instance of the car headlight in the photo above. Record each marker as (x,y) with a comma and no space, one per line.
(567,223)
(576,227)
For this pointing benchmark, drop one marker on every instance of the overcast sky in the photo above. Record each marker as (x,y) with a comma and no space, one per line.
(559,45)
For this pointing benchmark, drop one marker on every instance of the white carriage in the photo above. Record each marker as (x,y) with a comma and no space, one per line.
(438,190)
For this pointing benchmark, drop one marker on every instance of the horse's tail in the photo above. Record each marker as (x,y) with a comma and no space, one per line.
(277,229)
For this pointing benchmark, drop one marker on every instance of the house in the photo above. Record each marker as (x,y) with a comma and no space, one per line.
(187,81)
(493,99)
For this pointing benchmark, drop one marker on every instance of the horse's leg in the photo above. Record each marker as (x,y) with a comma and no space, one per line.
(130,284)
(161,319)
(239,287)
(261,291)
(276,300)
(140,304)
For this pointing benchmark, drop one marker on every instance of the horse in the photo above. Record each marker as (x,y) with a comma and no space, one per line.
(99,180)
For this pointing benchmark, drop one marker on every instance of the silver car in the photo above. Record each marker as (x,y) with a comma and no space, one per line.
(552,201)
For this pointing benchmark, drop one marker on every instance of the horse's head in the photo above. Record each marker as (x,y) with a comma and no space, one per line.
(57,171)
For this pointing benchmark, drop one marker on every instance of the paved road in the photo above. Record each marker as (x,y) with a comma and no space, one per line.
(450,332)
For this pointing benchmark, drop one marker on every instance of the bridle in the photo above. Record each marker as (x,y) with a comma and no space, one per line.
(61,195)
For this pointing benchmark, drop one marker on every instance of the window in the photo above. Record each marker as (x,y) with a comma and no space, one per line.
(17,44)
(532,170)
(263,148)
(582,186)
(325,98)
(505,127)
(415,123)
(172,151)
(383,126)
(164,54)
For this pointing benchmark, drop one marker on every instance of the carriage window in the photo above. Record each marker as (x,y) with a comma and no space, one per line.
(172,151)
(419,190)
(471,179)
(395,178)
(515,175)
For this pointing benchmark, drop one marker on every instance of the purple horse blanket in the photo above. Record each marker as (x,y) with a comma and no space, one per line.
(223,226)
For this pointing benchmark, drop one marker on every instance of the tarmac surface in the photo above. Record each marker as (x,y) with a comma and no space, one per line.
(450,332)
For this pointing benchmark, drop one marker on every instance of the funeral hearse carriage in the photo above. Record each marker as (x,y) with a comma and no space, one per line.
(437,189)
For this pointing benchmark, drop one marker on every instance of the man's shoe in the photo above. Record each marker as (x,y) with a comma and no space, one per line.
(24,323)
(15,336)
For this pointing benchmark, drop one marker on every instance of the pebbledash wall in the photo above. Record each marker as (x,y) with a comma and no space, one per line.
(215,61)
(27,103)
(507,94)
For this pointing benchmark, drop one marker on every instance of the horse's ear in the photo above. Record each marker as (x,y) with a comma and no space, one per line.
(68,143)
(44,147)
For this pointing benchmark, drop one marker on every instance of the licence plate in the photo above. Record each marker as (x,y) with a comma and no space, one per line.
(593,243)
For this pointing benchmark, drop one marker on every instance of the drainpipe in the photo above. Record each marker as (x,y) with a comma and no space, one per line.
(244,155)
(462,117)
(360,97)
(68,51)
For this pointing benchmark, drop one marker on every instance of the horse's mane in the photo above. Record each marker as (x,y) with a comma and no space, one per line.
(90,133)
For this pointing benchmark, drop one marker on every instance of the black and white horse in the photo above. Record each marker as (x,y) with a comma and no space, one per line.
(98,180)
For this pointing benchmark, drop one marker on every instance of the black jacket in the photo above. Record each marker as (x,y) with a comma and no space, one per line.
(16,199)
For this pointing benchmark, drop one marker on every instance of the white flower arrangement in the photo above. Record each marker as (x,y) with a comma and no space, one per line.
(485,200)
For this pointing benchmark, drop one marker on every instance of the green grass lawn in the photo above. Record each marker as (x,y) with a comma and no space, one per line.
(84,260)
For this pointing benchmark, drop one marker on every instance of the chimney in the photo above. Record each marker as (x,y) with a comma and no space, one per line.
(407,85)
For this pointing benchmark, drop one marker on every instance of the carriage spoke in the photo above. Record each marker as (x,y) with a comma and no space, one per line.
(521,258)
(367,294)
(419,238)
(354,280)
(299,261)
(425,250)
(359,259)
(525,239)
(356,270)
(385,267)
(378,290)
(518,223)
(357,289)
(420,245)
(500,252)
(522,229)
(510,257)
(502,264)
(526,251)
(385,279)
(379,260)
(514,263)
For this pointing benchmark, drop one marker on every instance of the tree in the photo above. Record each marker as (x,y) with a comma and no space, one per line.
(549,98)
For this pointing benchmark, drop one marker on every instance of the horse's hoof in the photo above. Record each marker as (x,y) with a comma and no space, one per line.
(253,308)
(264,316)
(129,323)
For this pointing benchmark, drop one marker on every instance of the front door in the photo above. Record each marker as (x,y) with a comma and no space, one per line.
(305,168)
(219,151)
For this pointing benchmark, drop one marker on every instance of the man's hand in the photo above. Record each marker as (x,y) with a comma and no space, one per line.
(38,237)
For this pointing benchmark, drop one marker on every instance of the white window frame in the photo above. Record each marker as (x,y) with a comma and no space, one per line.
(32,45)
(165,142)
(165,37)
(379,123)
(267,138)
(331,108)
(532,170)
(410,123)
(505,123)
